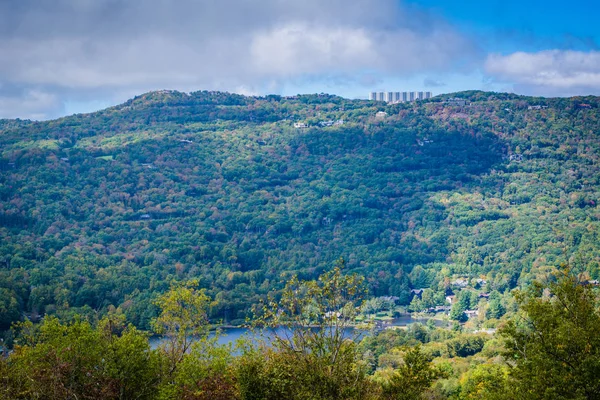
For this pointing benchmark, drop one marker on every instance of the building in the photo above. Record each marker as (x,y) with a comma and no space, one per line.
(399,97)
(460,282)
(381,115)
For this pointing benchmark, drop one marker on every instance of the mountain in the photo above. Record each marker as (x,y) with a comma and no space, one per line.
(105,210)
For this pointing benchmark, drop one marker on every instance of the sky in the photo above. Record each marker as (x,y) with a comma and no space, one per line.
(59,57)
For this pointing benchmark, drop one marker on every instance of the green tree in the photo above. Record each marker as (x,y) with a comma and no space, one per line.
(412,378)
(315,353)
(554,347)
(457,312)
(79,361)
(183,320)
(495,309)
(485,382)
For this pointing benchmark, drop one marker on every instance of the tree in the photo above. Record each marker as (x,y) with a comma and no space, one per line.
(485,382)
(311,332)
(495,309)
(413,377)
(79,361)
(457,312)
(183,320)
(554,347)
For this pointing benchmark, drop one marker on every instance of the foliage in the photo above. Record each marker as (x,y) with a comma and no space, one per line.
(485,381)
(107,209)
(310,329)
(554,349)
(76,361)
(412,378)
(182,321)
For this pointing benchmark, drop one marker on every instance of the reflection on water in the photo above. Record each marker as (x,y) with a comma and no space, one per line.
(232,335)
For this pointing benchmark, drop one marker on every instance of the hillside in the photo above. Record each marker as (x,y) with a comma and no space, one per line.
(104,210)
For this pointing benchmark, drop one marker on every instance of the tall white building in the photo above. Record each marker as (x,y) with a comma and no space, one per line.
(399,97)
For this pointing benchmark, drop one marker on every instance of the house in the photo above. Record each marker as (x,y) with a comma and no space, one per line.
(537,107)
(338,122)
(145,216)
(590,283)
(300,125)
(390,298)
(440,309)
(488,331)
(583,105)
(460,282)
(450,299)
(472,313)
(381,115)
(481,282)
(484,295)
(516,157)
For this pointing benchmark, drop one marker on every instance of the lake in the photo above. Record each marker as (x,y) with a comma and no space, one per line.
(231,335)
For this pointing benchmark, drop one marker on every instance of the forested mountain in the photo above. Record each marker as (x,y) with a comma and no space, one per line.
(105,210)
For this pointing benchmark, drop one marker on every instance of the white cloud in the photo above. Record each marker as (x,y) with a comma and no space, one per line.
(91,50)
(550,72)
(32,104)
(301,49)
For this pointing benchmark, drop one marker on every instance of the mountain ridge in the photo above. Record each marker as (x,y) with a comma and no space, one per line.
(104,210)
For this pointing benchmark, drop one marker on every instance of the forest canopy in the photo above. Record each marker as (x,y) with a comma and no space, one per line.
(104,211)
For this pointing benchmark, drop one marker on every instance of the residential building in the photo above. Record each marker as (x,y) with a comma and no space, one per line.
(399,97)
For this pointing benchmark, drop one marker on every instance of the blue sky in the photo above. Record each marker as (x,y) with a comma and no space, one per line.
(552,21)
(59,57)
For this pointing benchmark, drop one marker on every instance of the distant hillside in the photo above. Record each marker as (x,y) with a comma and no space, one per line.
(104,210)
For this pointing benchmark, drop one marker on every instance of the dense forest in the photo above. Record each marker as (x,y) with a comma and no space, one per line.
(103,212)
(548,350)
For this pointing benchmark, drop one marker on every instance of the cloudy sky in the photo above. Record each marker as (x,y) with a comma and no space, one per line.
(59,57)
